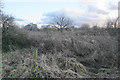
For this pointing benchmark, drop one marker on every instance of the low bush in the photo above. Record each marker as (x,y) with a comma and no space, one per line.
(14,38)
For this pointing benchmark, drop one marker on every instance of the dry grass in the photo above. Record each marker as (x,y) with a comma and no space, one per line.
(65,54)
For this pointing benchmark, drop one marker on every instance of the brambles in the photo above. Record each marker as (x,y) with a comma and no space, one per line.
(53,54)
(13,39)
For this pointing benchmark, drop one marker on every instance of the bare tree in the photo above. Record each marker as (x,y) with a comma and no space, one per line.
(85,26)
(95,26)
(0,30)
(0,14)
(0,7)
(109,23)
(115,23)
(7,21)
(62,20)
(112,23)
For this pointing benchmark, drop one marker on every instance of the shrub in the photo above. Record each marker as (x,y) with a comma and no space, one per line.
(13,39)
(85,27)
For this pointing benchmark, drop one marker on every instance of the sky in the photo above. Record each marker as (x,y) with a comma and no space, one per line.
(80,11)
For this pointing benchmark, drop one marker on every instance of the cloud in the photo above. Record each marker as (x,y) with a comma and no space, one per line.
(81,20)
(42,1)
(112,6)
(96,10)
(78,16)
(81,11)
(19,19)
(54,13)
(49,16)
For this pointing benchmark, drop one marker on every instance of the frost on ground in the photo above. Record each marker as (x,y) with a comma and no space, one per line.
(70,54)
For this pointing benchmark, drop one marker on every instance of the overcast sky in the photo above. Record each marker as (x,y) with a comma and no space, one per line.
(81,11)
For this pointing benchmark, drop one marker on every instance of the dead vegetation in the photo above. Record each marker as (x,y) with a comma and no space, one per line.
(76,54)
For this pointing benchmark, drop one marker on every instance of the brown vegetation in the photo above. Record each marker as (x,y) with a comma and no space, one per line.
(77,53)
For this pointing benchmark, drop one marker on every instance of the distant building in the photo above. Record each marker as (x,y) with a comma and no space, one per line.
(50,26)
(31,27)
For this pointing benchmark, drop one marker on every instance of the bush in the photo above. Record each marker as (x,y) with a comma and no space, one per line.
(13,39)
(85,27)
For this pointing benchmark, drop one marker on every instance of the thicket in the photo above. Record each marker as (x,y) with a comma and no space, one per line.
(95,49)
(14,39)
(12,36)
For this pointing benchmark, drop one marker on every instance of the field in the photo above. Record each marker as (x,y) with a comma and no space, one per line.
(73,53)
